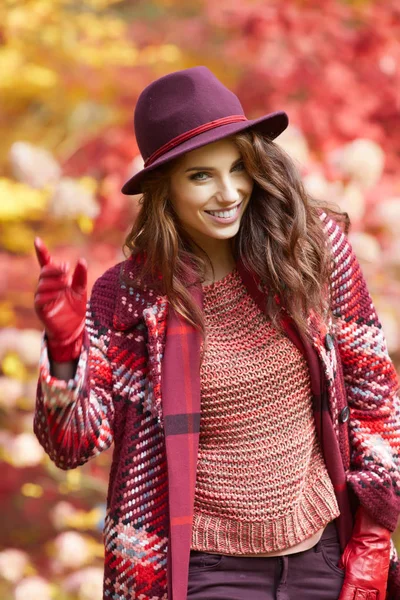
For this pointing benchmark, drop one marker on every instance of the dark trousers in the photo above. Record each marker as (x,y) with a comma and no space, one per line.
(309,575)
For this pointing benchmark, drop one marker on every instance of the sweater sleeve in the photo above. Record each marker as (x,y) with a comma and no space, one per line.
(371,384)
(73,419)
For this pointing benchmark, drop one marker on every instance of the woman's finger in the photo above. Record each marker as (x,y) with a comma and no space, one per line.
(46,299)
(42,253)
(79,278)
(52,284)
(53,270)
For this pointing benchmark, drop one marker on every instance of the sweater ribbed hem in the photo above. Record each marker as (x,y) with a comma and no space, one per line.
(318,506)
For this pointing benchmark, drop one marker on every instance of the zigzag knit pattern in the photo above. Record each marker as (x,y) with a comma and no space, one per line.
(107,402)
(261,484)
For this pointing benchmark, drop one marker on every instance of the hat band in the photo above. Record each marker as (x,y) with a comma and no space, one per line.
(191,133)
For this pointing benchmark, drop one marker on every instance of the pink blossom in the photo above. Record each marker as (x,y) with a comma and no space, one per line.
(60,514)
(293,141)
(71,550)
(8,340)
(12,564)
(24,450)
(33,588)
(87,583)
(33,165)
(390,324)
(366,247)
(387,214)
(10,391)
(361,160)
(28,344)
(71,199)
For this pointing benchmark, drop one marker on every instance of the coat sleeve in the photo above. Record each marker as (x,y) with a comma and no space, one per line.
(371,384)
(73,420)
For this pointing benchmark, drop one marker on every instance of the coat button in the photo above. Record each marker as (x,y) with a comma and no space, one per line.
(328,342)
(344,414)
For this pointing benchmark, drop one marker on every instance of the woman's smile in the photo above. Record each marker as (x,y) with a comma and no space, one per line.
(225,215)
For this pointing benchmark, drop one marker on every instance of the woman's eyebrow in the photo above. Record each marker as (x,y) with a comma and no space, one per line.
(210,168)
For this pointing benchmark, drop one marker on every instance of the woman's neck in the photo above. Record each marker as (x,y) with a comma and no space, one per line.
(222,260)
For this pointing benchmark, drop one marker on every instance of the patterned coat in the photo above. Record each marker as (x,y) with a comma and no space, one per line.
(137,384)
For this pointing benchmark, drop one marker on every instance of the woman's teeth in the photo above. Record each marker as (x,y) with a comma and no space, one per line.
(225,214)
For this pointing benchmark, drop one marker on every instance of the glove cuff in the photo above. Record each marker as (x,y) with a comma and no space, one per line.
(68,349)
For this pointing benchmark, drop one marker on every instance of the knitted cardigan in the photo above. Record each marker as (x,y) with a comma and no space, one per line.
(118,395)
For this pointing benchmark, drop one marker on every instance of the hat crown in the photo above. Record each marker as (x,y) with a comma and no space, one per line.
(179,102)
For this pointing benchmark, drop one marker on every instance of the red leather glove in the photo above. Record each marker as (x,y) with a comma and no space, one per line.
(366,560)
(60,303)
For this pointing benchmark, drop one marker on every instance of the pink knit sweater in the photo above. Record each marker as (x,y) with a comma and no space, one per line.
(262,483)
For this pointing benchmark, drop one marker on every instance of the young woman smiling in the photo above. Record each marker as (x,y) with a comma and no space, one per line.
(237,363)
(210,190)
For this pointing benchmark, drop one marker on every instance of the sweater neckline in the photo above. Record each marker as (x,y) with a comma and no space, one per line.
(221,282)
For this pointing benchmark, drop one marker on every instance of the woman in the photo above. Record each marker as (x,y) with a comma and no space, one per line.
(241,296)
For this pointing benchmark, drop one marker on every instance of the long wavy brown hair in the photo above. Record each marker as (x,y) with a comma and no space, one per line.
(281,238)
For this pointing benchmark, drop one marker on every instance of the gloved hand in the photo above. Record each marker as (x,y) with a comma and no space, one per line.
(366,560)
(60,303)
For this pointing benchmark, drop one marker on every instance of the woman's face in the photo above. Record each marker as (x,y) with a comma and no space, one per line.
(211,178)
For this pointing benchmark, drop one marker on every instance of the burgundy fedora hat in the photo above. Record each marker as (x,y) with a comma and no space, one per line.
(187,109)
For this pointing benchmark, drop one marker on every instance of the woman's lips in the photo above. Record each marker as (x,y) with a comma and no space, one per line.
(225,219)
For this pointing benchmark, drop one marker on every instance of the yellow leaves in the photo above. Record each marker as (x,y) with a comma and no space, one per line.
(10,60)
(22,16)
(19,201)
(51,36)
(17,238)
(117,53)
(22,78)
(73,480)
(154,54)
(27,80)
(21,204)
(96,548)
(169,53)
(85,224)
(55,25)
(17,73)
(62,54)
(101,4)
(84,37)
(63,488)
(38,76)
(7,314)
(89,183)
(121,53)
(99,28)
(32,490)
(12,366)
(82,520)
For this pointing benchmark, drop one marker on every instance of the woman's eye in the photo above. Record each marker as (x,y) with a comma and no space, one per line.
(196,176)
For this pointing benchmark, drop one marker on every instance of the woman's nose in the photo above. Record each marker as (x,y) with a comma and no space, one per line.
(229,190)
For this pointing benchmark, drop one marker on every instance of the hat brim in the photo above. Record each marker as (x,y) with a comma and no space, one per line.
(270,125)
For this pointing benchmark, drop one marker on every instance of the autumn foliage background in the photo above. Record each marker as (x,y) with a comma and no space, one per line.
(70,74)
